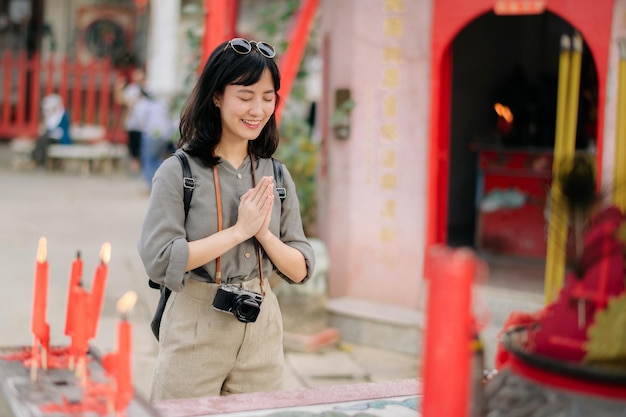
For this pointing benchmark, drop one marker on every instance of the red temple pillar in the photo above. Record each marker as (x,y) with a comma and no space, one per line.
(216,24)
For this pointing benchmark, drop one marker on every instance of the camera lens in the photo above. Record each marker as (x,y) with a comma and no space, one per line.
(246,309)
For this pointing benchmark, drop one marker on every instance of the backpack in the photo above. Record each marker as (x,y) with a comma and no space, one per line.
(189,184)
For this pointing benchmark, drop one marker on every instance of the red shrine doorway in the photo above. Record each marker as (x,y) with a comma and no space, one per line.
(480,59)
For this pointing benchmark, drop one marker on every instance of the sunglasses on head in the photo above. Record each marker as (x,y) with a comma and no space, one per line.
(243,46)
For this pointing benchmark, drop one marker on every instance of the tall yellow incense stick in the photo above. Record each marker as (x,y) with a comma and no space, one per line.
(567,158)
(619,179)
(558,222)
(573,94)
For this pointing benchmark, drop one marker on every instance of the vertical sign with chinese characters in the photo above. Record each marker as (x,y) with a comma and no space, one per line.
(393,34)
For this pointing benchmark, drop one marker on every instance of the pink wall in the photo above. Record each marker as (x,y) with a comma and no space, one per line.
(374,186)
(618,31)
(373,223)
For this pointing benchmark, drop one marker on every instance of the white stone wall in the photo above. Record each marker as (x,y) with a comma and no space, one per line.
(163,40)
(59,18)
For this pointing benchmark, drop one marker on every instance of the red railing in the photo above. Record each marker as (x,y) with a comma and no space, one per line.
(86,89)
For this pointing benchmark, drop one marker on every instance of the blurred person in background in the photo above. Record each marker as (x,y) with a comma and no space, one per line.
(152,117)
(55,127)
(127,94)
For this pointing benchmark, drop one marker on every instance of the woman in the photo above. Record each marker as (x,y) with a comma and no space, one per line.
(235,223)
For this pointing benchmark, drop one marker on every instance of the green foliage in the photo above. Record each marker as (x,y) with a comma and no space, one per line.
(274,21)
(300,154)
(297,149)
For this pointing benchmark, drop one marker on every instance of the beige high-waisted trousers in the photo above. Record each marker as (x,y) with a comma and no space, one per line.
(204,351)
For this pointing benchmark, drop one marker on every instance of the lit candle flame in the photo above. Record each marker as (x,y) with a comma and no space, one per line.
(504,112)
(42,250)
(126,302)
(105,252)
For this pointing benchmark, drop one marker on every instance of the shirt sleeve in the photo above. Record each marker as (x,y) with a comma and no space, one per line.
(162,243)
(291,231)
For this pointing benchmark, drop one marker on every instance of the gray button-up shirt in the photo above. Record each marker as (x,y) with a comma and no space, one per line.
(164,235)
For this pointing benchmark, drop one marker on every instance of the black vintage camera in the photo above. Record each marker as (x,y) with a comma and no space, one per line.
(245,305)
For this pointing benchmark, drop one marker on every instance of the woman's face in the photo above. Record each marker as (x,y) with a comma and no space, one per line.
(245,109)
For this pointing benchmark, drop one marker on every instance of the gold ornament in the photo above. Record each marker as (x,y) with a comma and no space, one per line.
(606,337)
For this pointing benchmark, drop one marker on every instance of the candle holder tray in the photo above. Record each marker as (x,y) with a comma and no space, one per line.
(57,391)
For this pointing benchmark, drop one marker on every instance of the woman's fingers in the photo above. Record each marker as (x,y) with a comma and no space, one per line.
(267,209)
(255,206)
(264,188)
(267,204)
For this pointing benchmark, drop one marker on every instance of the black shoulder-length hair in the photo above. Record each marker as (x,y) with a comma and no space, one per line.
(200,122)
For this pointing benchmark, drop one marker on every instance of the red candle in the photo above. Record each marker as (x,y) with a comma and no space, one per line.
(39,326)
(109,363)
(75,276)
(80,345)
(97,289)
(447,345)
(123,374)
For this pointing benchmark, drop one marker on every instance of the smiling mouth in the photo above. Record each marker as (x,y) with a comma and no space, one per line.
(252,123)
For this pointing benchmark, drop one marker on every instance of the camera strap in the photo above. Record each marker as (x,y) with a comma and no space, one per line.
(218,198)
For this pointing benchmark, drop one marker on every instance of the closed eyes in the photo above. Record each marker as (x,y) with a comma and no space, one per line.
(266,98)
